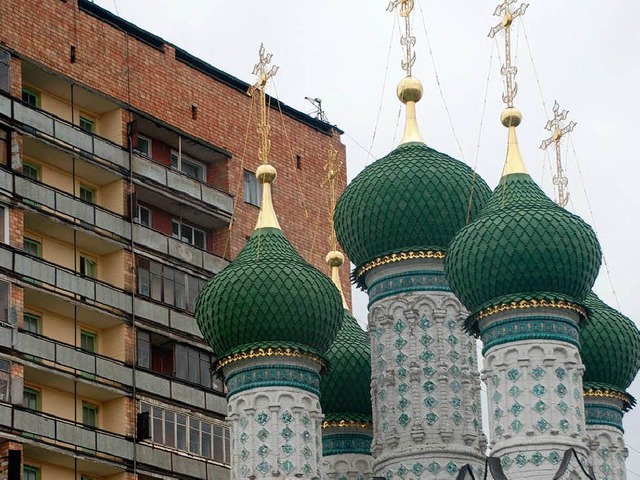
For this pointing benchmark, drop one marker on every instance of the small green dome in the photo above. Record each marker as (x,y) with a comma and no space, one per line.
(269,297)
(414,199)
(609,346)
(522,247)
(346,387)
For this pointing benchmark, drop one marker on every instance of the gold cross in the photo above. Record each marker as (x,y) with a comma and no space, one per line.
(332,168)
(407,40)
(508,70)
(557,132)
(260,69)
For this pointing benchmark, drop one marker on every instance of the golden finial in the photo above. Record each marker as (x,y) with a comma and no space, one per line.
(557,132)
(410,88)
(265,173)
(335,260)
(511,117)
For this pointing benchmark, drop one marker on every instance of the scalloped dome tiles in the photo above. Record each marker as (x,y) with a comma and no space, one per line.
(269,296)
(414,199)
(522,247)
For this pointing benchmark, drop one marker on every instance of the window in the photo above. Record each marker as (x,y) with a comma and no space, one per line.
(188,166)
(87,194)
(143,146)
(87,124)
(188,433)
(189,234)
(5,380)
(88,266)
(31,171)
(31,399)
(5,71)
(252,189)
(32,247)
(88,341)
(168,285)
(30,473)
(31,97)
(32,322)
(144,216)
(89,415)
(5,145)
(4,224)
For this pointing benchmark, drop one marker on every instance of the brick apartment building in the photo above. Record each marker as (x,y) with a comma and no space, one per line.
(122,167)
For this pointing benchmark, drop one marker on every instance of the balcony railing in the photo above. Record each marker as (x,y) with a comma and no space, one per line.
(182,251)
(67,205)
(60,278)
(56,128)
(182,183)
(56,431)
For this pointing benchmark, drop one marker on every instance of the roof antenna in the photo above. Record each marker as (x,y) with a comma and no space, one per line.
(319,112)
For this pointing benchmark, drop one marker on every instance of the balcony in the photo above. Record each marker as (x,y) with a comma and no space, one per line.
(158,242)
(46,125)
(63,280)
(58,432)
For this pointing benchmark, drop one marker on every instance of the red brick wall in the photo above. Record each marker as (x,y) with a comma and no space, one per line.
(140,79)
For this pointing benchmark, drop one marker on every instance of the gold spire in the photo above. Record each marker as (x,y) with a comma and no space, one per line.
(410,88)
(265,173)
(335,260)
(557,132)
(511,117)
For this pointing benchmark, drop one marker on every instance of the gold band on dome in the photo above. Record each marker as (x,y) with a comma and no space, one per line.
(606,394)
(267,352)
(398,257)
(347,424)
(524,304)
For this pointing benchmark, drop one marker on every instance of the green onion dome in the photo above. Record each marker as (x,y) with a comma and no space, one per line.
(522,247)
(346,387)
(269,297)
(523,250)
(610,347)
(414,200)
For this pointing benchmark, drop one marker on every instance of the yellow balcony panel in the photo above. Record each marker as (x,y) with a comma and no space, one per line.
(57,463)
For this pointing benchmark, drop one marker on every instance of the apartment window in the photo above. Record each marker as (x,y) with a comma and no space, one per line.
(87,124)
(5,380)
(31,399)
(31,171)
(188,166)
(4,224)
(32,322)
(87,194)
(30,473)
(252,189)
(188,433)
(88,341)
(143,146)
(31,97)
(88,266)
(5,146)
(89,415)
(189,234)
(144,216)
(5,71)
(167,285)
(32,247)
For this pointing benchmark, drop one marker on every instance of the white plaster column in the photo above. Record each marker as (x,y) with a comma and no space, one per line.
(346,451)
(425,380)
(606,437)
(275,417)
(533,372)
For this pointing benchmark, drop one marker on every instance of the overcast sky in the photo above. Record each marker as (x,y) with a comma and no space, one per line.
(585,54)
